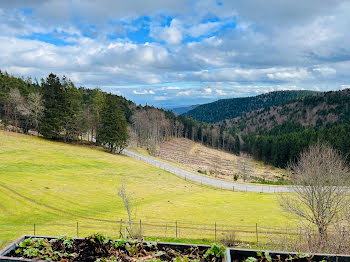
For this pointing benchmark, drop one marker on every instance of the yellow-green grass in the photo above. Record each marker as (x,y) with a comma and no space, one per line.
(46,182)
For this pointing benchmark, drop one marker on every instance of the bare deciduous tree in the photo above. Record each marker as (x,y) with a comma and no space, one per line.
(151,128)
(244,165)
(320,178)
(18,105)
(127,201)
(36,107)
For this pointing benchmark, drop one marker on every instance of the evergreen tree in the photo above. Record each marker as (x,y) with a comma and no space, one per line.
(51,124)
(73,110)
(113,131)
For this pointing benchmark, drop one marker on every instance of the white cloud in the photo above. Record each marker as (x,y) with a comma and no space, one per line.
(184,93)
(143,92)
(326,71)
(171,34)
(208,90)
(220,92)
(289,75)
(203,29)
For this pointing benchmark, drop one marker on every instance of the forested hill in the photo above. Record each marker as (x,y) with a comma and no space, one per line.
(233,107)
(320,110)
(277,134)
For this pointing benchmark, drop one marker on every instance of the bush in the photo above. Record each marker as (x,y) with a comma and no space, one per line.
(229,239)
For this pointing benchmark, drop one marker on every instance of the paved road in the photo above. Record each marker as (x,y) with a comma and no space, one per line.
(206,180)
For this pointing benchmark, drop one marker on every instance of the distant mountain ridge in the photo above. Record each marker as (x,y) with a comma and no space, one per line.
(230,108)
(183,109)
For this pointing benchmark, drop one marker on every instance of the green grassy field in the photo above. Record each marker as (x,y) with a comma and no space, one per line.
(53,184)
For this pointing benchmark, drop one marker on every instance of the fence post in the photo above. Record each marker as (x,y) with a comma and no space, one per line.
(120,230)
(77,229)
(140,228)
(176,228)
(215,231)
(34,229)
(257,236)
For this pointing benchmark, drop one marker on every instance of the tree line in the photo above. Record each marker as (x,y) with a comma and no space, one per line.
(56,109)
(283,147)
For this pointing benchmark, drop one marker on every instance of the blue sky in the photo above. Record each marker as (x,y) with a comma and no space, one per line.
(176,53)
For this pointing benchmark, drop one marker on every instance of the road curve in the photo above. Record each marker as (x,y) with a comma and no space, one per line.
(206,180)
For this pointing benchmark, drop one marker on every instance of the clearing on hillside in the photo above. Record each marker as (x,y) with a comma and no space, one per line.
(218,163)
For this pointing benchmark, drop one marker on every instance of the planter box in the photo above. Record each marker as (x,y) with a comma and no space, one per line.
(11,247)
(232,255)
(236,254)
(8,249)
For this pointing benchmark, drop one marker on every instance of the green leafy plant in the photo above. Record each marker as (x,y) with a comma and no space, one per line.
(215,250)
(102,239)
(67,241)
(251,259)
(119,243)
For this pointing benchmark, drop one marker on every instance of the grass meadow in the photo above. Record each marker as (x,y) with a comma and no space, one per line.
(52,185)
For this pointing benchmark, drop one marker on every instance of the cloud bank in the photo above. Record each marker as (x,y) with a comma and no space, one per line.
(171,53)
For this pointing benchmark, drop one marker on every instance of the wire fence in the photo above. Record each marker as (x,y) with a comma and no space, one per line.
(213,232)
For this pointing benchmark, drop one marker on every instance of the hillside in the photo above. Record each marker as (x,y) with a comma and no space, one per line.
(321,110)
(234,107)
(218,163)
(47,182)
(277,134)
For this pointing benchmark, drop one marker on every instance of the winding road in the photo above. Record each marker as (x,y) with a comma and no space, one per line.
(207,180)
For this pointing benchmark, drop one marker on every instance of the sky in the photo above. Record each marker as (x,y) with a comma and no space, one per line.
(182,52)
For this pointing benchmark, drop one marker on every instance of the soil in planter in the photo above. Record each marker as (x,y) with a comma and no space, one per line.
(266,257)
(102,249)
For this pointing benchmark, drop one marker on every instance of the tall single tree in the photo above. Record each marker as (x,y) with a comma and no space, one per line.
(98,101)
(113,131)
(52,122)
(72,121)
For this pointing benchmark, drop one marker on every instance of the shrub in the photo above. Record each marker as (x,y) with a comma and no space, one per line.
(229,239)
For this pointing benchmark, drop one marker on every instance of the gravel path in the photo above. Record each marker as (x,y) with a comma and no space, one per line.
(206,180)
